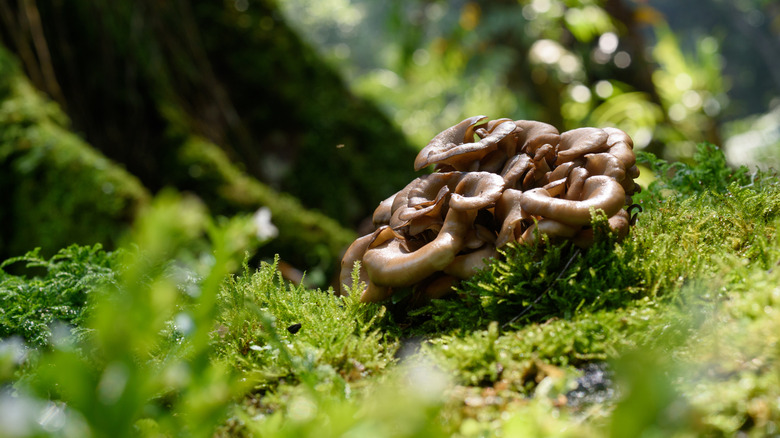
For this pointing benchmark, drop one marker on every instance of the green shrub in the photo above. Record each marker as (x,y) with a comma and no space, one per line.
(709,172)
(145,364)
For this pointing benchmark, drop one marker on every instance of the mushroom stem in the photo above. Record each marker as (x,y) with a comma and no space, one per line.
(374,293)
(549,227)
(466,265)
(354,254)
(510,215)
(618,223)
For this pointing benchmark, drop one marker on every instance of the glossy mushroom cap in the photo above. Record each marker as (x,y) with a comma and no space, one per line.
(460,156)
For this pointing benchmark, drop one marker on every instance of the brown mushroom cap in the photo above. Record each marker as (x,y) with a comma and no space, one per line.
(383,212)
(390,265)
(493,162)
(427,187)
(534,134)
(422,191)
(562,171)
(621,147)
(453,135)
(466,265)
(477,190)
(549,227)
(556,188)
(462,156)
(605,164)
(599,192)
(515,169)
(425,218)
(491,125)
(355,253)
(578,142)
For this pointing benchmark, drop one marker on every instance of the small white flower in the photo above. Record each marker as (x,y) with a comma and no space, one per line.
(265,229)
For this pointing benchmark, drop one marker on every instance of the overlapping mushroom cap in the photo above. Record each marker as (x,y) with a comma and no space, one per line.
(496,182)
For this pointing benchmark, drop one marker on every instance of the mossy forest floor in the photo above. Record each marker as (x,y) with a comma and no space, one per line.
(672,332)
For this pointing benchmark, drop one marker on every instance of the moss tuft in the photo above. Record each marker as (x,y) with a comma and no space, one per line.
(58,189)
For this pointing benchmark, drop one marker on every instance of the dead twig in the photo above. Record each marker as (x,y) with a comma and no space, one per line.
(528,307)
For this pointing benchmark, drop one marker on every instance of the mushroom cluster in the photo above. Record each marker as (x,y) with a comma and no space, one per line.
(495,182)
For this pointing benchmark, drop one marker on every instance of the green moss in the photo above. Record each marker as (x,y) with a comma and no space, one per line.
(58,189)
(31,305)
(275,331)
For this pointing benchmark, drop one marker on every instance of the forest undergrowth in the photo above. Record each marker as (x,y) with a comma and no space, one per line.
(671,332)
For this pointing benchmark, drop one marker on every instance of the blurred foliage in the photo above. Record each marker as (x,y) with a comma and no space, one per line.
(569,63)
(755,140)
(177,85)
(746,33)
(144,366)
(710,174)
(57,189)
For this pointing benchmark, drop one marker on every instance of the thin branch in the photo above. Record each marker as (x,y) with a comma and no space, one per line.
(17,31)
(528,307)
(42,50)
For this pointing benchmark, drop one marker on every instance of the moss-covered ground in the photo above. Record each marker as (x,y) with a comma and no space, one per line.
(671,332)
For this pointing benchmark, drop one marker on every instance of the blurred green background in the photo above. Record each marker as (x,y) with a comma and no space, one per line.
(315,110)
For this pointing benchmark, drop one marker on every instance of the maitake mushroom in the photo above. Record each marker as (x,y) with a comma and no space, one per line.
(518,180)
